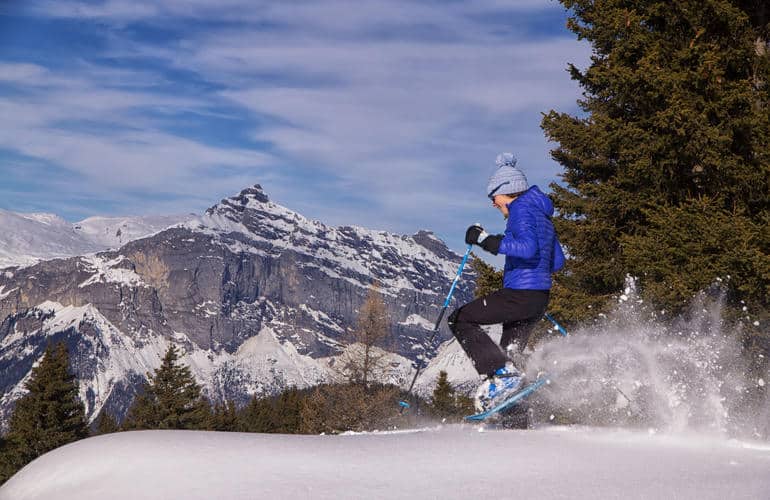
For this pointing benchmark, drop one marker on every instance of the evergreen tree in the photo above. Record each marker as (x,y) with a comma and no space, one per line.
(48,416)
(447,403)
(171,399)
(286,412)
(106,423)
(224,417)
(675,136)
(258,416)
(488,279)
(443,403)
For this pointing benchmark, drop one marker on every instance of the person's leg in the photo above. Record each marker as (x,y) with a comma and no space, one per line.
(465,322)
(529,306)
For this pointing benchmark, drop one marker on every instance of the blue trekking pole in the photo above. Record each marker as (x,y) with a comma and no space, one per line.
(403,403)
(556,324)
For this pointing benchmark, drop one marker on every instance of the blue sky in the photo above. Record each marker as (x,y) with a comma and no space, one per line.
(382,113)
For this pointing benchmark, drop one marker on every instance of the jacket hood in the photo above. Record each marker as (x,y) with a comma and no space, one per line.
(534,197)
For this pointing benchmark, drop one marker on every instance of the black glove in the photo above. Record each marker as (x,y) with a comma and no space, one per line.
(473,233)
(492,243)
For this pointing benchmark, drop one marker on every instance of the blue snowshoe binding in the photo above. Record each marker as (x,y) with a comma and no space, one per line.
(497,388)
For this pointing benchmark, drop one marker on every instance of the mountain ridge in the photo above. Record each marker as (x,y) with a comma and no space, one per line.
(247,276)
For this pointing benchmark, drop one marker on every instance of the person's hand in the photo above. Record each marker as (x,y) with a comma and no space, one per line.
(475,235)
(492,243)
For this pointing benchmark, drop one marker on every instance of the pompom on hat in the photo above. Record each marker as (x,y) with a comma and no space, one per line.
(507,179)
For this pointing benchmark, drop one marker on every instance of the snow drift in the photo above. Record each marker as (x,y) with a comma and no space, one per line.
(449,462)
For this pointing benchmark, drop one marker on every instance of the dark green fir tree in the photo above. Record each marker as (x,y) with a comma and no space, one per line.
(488,279)
(447,403)
(224,417)
(106,423)
(48,416)
(666,169)
(443,404)
(257,416)
(170,399)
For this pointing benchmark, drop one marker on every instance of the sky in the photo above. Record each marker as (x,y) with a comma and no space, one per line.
(387,114)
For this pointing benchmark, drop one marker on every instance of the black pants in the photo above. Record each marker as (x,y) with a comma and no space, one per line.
(517,310)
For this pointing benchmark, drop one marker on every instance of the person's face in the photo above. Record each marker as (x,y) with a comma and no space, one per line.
(500,202)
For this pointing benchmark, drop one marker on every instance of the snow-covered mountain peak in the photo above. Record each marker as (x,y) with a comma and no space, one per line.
(250,222)
(259,296)
(251,197)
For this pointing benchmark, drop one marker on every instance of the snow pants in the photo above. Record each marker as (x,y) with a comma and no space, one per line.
(517,310)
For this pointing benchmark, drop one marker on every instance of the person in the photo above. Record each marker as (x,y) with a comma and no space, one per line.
(532,253)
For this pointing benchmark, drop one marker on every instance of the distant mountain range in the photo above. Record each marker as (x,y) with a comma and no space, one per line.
(258,297)
(28,238)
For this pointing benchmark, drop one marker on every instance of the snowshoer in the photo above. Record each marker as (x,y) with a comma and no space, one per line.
(532,253)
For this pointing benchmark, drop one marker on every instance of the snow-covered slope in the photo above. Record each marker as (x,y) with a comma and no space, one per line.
(27,238)
(262,365)
(114,232)
(447,463)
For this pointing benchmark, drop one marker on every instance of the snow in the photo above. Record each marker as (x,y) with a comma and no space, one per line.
(416,319)
(114,232)
(4,293)
(105,271)
(439,462)
(325,244)
(27,238)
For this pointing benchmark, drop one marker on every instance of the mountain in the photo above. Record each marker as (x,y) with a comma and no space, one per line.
(27,238)
(257,296)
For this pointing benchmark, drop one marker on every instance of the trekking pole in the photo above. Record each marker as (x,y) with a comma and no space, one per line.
(403,403)
(556,324)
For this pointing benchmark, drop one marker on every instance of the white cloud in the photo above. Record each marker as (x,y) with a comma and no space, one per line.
(404,104)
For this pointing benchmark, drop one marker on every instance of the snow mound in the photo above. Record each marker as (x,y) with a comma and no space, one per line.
(451,462)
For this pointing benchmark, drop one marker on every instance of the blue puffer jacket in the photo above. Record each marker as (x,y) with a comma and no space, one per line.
(531,248)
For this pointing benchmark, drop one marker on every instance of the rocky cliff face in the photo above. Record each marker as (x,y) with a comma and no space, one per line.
(259,298)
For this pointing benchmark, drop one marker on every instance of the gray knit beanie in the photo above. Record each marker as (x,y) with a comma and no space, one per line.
(507,179)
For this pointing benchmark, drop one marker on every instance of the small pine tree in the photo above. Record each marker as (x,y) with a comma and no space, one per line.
(337,408)
(443,403)
(48,416)
(171,399)
(446,402)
